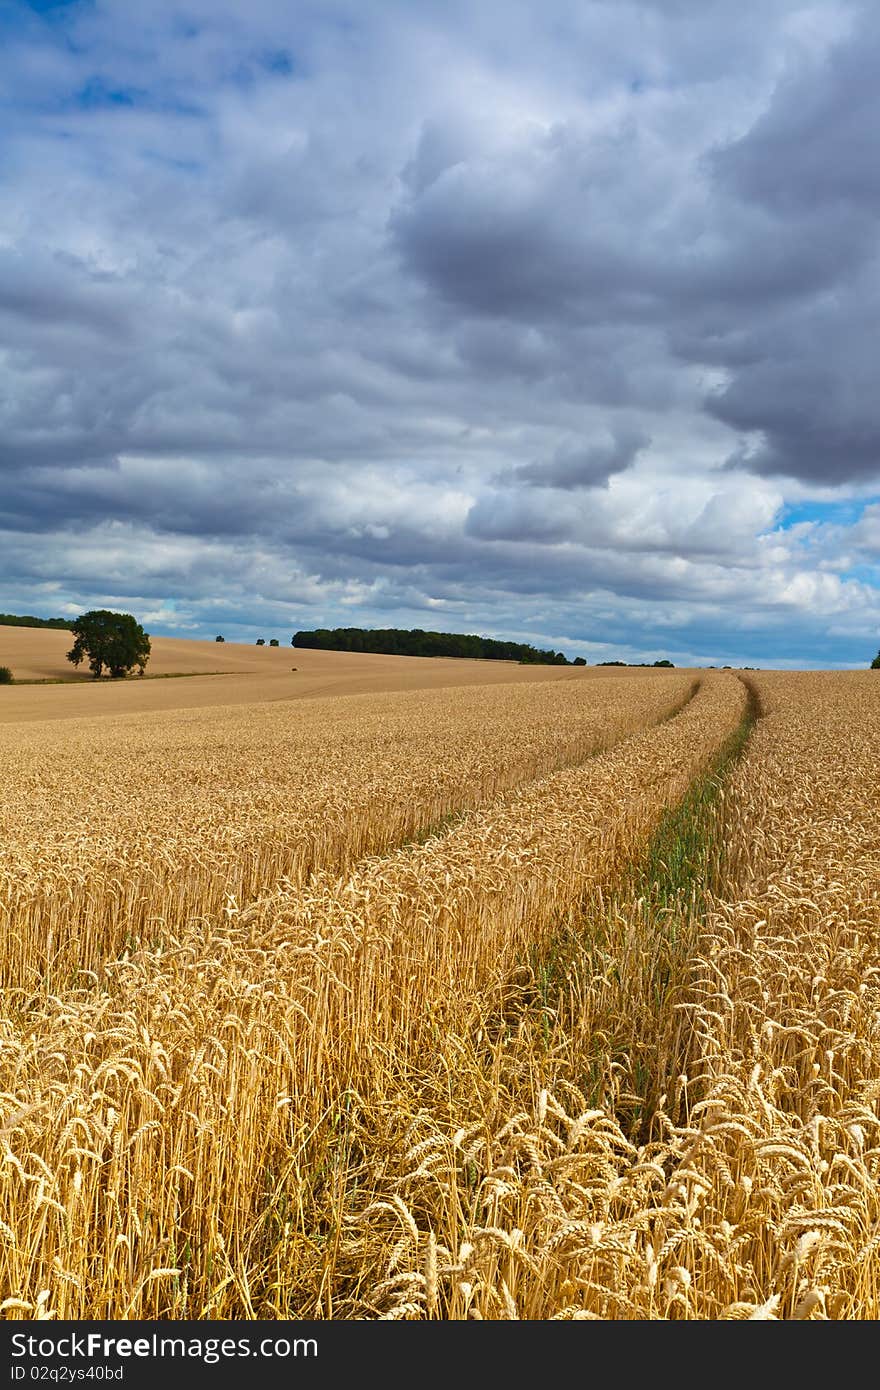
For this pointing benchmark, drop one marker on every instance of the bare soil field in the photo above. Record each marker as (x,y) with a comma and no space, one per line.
(228,673)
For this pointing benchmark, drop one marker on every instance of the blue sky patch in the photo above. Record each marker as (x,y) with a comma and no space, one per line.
(845,513)
(865,574)
(279,61)
(97,93)
(44,6)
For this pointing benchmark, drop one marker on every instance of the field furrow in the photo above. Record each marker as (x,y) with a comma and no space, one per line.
(756,1192)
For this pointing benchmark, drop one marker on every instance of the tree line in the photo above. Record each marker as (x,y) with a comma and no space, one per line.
(15,620)
(395,641)
(652,664)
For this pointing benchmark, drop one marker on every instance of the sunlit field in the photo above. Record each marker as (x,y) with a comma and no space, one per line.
(543,998)
(184,674)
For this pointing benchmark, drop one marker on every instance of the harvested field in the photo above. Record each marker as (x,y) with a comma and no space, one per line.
(495,1003)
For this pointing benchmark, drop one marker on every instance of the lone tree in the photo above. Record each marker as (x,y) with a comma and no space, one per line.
(114,640)
(875,664)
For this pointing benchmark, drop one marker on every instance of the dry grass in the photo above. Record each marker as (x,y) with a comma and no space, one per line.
(510,1071)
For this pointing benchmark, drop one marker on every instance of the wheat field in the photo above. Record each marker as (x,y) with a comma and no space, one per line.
(141,822)
(229,673)
(540,1000)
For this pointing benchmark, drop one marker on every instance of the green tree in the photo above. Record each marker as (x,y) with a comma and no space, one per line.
(273,641)
(219,639)
(114,640)
(5,675)
(875,664)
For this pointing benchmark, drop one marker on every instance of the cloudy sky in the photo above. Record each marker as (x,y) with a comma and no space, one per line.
(553,320)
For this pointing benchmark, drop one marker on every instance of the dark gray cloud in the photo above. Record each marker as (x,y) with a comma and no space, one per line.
(809,404)
(801,382)
(577,465)
(535,229)
(812,151)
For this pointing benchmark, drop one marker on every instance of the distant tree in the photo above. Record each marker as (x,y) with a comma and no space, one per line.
(579,661)
(261,641)
(875,664)
(218,638)
(5,675)
(663,663)
(114,640)
(273,641)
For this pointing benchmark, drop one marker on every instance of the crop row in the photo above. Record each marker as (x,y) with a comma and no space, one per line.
(756,1192)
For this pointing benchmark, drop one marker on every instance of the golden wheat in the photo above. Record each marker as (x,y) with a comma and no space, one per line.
(201,1106)
(480,1076)
(756,1195)
(116,830)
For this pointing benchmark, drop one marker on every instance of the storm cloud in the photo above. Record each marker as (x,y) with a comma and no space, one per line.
(556,325)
